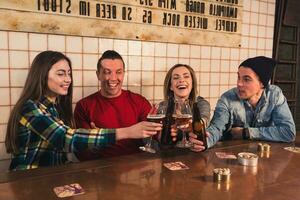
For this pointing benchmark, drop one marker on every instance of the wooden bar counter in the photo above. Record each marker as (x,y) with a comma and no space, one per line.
(143,176)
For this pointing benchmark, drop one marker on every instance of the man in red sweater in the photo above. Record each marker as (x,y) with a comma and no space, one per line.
(111,107)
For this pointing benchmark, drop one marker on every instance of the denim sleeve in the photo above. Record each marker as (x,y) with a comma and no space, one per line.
(204,108)
(218,123)
(283,126)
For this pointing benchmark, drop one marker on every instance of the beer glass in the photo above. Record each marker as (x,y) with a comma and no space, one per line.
(157,114)
(183,119)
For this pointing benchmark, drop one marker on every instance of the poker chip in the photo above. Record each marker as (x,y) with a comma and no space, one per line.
(221,174)
(263,147)
(247,159)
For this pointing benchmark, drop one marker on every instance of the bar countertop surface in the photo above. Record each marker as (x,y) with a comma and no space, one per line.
(143,176)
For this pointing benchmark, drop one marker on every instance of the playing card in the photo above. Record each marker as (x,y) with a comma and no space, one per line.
(68,190)
(176,166)
(293,149)
(226,155)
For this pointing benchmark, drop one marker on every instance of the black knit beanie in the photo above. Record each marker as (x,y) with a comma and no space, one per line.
(262,66)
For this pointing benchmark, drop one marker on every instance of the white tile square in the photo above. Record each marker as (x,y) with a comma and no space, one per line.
(254,18)
(158,92)
(270,20)
(172,50)
(15,94)
(214,79)
(262,20)
(195,51)
(4,96)
(224,66)
(214,91)
(247,5)
(90,79)
(215,52)
(3,40)
(270,32)
(5,112)
(32,55)
(134,78)
(19,59)
(4,59)
(147,92)
(160,49)
(89,90)
(224,78)
(246,17)
(134,63)
(205,52)
(271,8)
(225,53)
(245,42)
(245,29)
(254,6)
(263,7)
(135,89)
(148,48)
(195,64)
(204,78)
(160,64)
(159,78)
(121,47)
(3,154)
(233,78)
(125,81)
(184,51)
(37,42)
(90,61)
(148,63)
(204,91)
(260,52)
(184,61)
(252,53)
(105,44)
(215,65)
(74,44)
(135,48)
(90,45)
(2,133)
(77,77)
(18,77)
(234,65)
(77,94)
(18,41)
(268,53)
(147,78)
(243,54)
(253,42)
(171,62)
(261,43)
(223,89)
(57,43)
(253,30)
(205,65)
(269,44)
(262,31)
(76,60)
(4,80)
(234,54)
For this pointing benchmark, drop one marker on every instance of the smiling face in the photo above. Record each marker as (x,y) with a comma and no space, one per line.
(181,82)
(111,76)
(59,79)
(248,84)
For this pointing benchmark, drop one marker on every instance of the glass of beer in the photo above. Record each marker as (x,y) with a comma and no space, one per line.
(183,120)
(157,114)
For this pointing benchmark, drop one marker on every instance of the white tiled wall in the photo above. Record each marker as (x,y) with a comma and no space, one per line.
(146,62)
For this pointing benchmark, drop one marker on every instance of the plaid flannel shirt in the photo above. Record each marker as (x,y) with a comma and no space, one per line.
(44,139)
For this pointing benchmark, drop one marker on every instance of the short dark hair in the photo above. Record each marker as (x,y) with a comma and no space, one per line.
(109,54)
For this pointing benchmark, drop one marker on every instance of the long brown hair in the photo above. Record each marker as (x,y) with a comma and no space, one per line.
(167,83)
(36,86)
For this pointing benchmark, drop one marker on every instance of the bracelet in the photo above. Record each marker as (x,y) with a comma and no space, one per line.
(246,134)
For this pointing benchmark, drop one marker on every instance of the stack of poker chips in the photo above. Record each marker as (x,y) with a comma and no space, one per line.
(221,174)
(248,159)
(264,150)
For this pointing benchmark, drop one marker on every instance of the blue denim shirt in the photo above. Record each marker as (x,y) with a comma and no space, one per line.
(271,120)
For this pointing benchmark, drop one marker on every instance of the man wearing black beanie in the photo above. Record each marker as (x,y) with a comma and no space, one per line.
(252,110)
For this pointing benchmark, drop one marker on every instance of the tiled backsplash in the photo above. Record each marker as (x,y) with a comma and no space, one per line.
(146,62)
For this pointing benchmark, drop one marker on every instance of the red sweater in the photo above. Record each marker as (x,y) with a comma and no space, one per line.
(122,111)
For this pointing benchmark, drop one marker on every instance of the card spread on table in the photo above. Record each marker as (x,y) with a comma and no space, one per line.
(68,190)
(176,166)
(293,149)
(225,155)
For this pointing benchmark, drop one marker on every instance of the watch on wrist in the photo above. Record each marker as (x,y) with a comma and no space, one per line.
(246,134)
